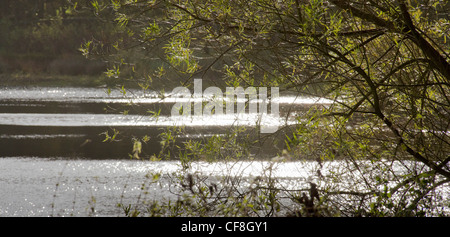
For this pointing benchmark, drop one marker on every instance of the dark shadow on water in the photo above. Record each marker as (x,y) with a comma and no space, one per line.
(91,142)
(72,142)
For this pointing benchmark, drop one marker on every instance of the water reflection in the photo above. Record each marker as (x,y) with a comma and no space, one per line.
(45,121)
(100,95)
(60,187)
(88,120)
(53,160)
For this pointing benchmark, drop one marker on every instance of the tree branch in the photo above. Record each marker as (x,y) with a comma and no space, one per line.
(345,5)
(437,60)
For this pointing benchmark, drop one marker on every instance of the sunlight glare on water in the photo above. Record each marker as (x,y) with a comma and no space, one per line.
(87,120)
(99,95)
(55,187)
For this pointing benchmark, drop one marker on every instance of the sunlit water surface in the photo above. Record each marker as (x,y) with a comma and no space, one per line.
(51,163)
(57,187)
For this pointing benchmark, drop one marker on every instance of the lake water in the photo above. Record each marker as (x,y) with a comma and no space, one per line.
(54,162)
